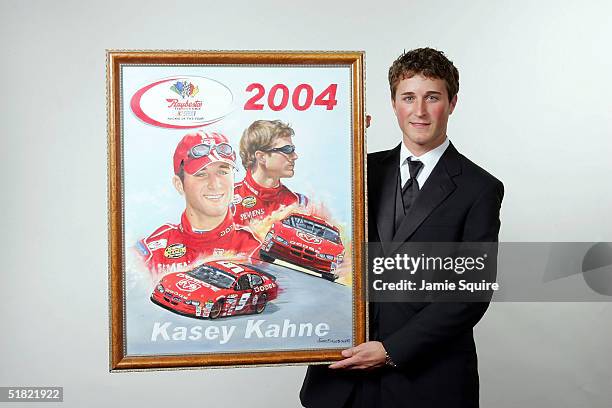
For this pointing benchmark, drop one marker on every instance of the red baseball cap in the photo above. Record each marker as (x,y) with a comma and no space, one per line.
(211,147)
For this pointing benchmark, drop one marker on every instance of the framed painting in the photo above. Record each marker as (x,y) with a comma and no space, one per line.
(236,207)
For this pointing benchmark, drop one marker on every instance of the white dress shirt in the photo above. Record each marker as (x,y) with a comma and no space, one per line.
(429,160)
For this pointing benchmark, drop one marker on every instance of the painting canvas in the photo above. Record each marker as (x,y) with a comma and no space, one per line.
(236,206)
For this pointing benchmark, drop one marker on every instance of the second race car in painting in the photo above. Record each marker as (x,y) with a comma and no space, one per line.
(216,289)
(307,241)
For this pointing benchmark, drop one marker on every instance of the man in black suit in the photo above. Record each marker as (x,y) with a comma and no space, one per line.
(423,190)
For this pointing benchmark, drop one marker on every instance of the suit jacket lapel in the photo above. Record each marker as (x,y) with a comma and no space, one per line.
(437,188)
(386,199)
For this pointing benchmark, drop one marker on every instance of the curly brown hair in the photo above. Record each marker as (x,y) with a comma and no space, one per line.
(427,62)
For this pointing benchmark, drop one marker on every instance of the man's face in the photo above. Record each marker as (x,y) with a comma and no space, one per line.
(278,164)
(422,108)
(209,191)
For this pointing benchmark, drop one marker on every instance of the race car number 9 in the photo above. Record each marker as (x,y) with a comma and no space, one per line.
(242,301)
(302,97)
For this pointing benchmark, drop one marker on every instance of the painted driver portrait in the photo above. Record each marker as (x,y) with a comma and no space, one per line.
(204,166)
(268,155)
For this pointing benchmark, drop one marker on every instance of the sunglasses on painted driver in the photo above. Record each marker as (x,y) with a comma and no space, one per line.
(202,150)
(286,149)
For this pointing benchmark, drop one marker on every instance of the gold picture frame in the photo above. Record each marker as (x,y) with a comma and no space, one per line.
(122,120)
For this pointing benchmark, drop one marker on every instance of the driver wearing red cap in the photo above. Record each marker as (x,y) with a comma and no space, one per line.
(268,154)
(204,174)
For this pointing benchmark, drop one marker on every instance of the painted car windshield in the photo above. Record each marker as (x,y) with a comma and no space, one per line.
(213,276)
(313,228)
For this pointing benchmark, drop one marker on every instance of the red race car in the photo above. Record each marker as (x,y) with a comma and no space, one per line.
(307,241)
(216,289)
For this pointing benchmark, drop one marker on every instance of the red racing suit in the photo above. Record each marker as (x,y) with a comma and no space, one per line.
(173,247)
(253,201)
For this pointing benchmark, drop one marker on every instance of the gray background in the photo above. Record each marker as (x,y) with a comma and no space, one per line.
(534,109)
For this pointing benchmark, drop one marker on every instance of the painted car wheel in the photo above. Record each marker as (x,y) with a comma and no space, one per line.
(329,276)
(261,304)
(216,309)
(265,257)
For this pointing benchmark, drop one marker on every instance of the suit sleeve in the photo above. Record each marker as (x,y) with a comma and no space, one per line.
(440,322)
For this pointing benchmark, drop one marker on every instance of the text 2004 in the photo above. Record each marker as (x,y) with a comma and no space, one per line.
(302,97)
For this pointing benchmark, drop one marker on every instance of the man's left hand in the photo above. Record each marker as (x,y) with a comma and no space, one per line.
(366,355)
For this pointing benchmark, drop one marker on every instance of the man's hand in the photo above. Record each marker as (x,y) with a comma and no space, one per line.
(366,355)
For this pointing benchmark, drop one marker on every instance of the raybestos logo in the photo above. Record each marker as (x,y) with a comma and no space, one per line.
(185,89)
(182,102)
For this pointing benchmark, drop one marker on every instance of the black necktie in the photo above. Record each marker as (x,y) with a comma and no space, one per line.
(410,190)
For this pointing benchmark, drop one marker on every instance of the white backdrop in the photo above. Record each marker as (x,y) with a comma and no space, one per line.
(534,109)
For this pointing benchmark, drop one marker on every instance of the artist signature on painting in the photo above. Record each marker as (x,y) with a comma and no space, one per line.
(334,341)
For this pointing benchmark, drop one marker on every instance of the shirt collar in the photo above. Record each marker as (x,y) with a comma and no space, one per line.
(429,159)
(265,193)
(221,230)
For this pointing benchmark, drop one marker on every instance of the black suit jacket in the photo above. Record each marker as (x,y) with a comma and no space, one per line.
(431,343)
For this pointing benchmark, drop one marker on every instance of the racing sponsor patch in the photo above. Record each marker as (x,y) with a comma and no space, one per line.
(174,251)
(249,202)
(218,251)
(263,288)
(252,214)
(187,285)
(237,199)
(160,243)
(302,245)
(206,308)
(308,238)
(226,231)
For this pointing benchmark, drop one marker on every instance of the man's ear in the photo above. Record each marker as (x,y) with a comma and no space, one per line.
(260,157)
(178,184)
(453,103)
